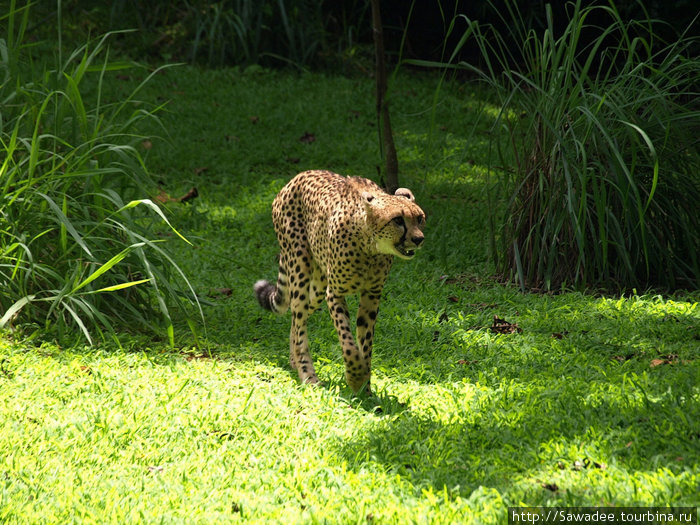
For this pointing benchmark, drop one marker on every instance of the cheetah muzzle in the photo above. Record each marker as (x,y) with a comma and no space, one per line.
(338,236)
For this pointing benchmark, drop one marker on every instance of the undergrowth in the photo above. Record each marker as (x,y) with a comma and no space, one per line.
(80,255)
(601,119)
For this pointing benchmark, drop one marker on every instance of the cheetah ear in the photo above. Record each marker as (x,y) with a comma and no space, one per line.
(405,192)
(370,201)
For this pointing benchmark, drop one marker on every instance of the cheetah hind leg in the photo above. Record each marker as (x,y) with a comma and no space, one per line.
(299,355)
(302,307)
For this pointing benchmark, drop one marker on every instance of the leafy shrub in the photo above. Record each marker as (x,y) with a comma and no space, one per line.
(76,253)
(601,125)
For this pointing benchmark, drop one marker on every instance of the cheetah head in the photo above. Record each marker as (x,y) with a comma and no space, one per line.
(395,222)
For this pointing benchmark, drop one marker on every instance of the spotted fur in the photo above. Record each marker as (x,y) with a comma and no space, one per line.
(338,236)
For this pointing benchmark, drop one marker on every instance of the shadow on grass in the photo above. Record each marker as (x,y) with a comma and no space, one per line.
(574,409)
(553,448)
(580,402)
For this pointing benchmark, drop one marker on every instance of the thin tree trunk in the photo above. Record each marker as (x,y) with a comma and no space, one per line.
(386,138)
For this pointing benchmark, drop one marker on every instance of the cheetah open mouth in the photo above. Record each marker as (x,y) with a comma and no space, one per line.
(403,252)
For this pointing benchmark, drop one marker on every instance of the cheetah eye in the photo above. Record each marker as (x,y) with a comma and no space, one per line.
(421,219)
(398,220)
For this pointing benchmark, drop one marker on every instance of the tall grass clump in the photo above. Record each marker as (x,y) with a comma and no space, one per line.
(600,122)
(248,31)
(212,32)
(80,252)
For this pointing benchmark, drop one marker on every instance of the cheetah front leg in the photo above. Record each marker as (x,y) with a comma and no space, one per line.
(366,319)
(357,371)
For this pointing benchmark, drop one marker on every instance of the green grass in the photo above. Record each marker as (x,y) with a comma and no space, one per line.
(594,402)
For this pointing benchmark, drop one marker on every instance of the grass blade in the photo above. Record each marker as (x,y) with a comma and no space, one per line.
(104,268)
(15,309)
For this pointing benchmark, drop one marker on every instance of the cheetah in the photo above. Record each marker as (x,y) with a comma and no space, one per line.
(337,236)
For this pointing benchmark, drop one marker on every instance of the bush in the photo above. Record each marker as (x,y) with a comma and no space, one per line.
(76,253)
(601,123)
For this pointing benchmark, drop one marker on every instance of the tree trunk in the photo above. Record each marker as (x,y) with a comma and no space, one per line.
(386,138)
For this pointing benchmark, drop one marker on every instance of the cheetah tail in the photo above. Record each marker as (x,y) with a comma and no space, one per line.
(271,297)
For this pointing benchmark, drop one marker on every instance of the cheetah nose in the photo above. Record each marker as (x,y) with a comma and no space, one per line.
(417,240)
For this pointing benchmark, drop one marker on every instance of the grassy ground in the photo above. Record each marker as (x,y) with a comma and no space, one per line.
(581,400)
